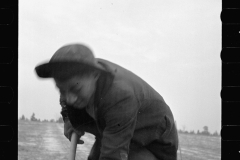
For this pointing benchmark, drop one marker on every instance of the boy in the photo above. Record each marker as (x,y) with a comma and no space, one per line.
(128,117)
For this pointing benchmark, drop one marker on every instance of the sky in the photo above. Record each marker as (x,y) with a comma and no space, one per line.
(173,45)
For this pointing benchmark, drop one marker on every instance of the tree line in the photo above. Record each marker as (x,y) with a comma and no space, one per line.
(60,120)
(34,119)
(204,132)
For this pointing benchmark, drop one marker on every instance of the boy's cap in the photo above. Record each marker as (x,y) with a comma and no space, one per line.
(66,58)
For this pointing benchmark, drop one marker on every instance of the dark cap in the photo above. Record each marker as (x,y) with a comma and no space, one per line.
(67,60)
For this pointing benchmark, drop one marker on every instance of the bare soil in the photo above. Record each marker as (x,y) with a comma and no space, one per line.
(46,141)
(199,147)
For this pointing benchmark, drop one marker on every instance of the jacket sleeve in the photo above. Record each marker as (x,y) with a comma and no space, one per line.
(83,122)
(120,119)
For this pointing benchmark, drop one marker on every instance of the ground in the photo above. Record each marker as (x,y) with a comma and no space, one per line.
(45,141)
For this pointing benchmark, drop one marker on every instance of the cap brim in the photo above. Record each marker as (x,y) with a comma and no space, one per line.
(49,70)
(44,70)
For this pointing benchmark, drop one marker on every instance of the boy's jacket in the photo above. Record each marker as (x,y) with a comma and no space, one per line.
(127,110)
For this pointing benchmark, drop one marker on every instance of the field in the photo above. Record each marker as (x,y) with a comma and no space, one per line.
(45,141)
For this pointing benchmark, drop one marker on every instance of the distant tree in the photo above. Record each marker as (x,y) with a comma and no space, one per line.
(45,120)
(22,118)
(205,130)
(180,131)
(198,132)
(215,133)
(59,120)
(33,117)
(52,120)
(184,127)
(192,132)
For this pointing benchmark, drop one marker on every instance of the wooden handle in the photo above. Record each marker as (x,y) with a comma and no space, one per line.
(73,146)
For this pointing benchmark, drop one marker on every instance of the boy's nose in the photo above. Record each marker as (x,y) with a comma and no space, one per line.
(71,98)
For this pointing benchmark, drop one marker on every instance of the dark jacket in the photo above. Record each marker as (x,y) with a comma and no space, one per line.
(128,111)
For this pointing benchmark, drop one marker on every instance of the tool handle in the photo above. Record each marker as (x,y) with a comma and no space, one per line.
(73,146)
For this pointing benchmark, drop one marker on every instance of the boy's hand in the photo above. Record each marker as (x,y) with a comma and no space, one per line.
(68,130)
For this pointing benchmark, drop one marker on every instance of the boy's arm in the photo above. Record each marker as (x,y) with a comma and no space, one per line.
(85,122)
(68,128)
(120,119)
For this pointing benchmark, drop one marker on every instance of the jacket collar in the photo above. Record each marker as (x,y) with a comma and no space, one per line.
(104,83)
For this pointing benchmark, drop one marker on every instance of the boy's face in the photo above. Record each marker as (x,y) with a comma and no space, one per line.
(78,91)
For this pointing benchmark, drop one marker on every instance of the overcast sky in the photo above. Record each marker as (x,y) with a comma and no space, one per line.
(173,45)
